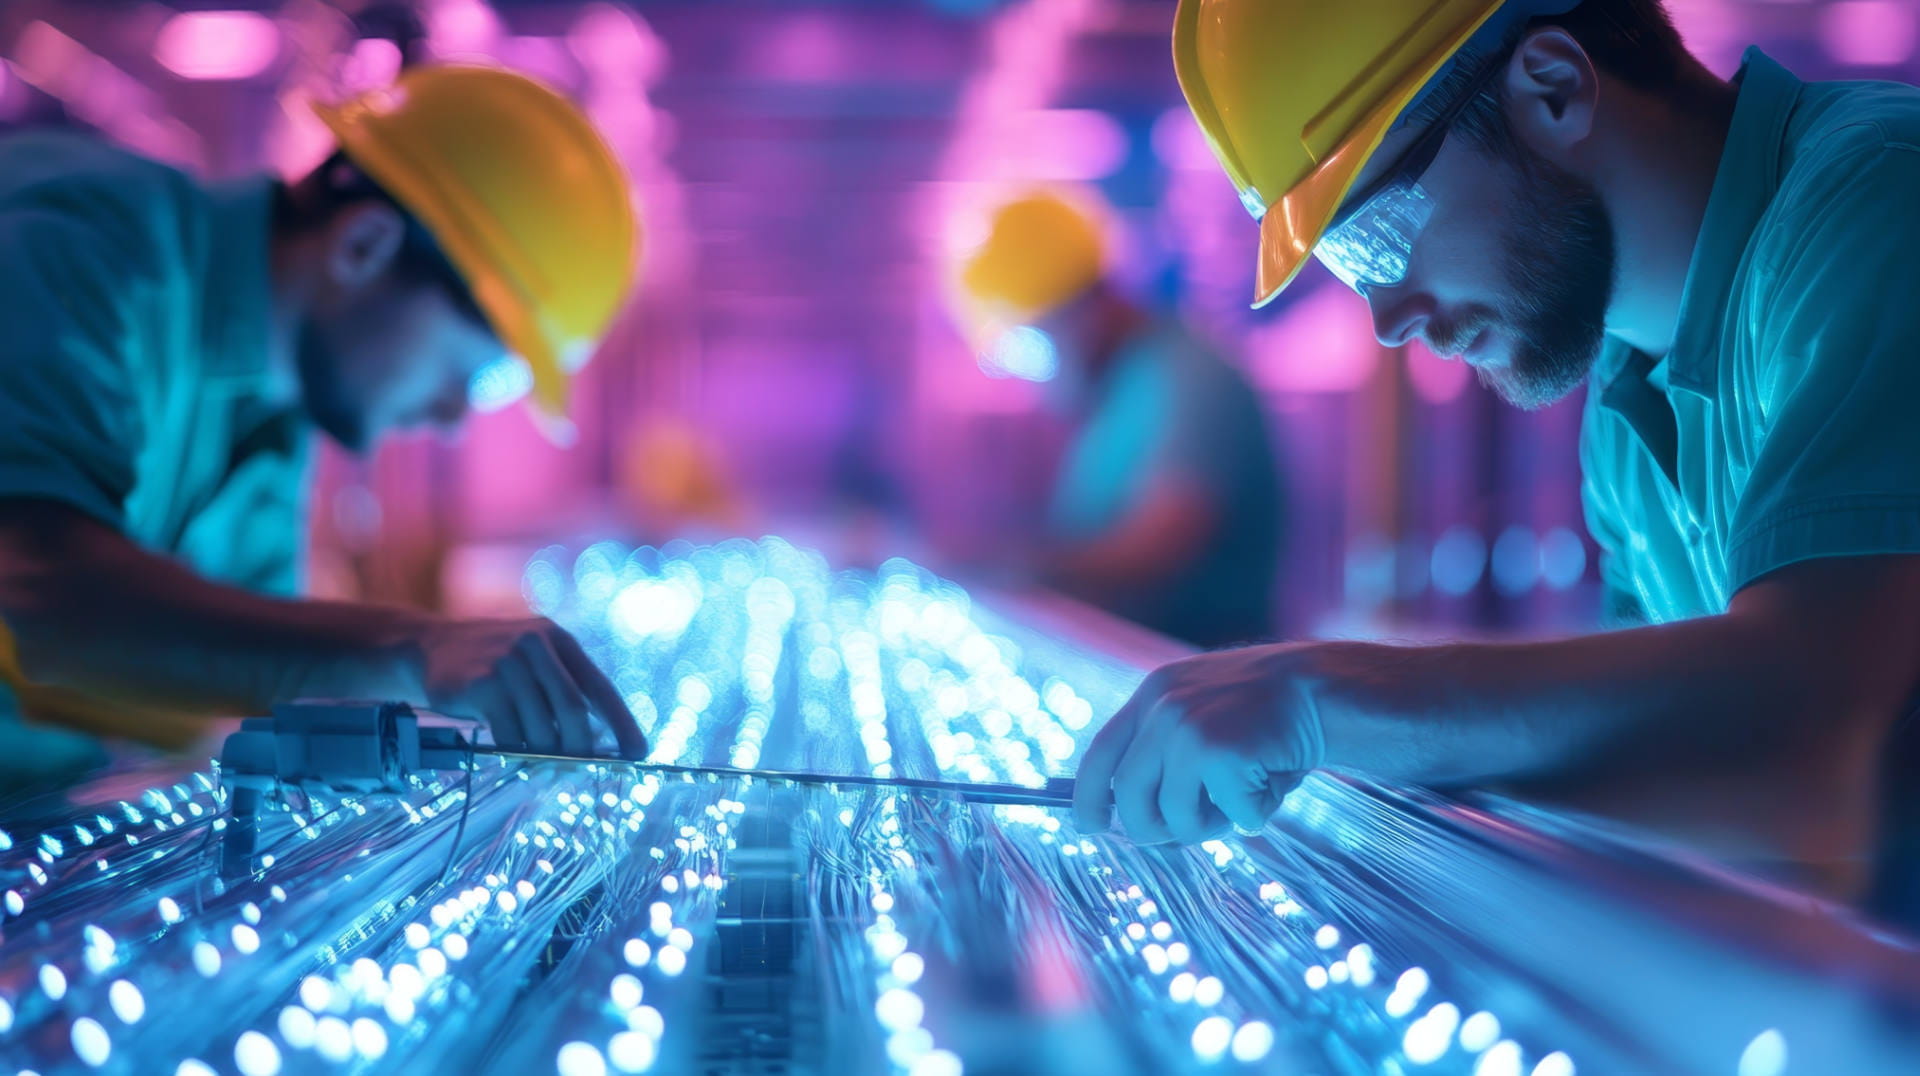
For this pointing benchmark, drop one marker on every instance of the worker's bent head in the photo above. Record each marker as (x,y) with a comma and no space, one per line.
(1438,157)
(392,338)
(475,238)
(1033,294)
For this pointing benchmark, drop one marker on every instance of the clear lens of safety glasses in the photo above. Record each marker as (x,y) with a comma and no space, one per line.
(1371,247)
(500,383)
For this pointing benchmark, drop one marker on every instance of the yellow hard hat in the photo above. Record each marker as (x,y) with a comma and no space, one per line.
(523,196)
(677,476)
(1041,252)
(1296,95)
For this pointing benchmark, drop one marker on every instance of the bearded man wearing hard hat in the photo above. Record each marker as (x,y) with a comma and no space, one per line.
(1166,508)
(173,344)
(1559,194)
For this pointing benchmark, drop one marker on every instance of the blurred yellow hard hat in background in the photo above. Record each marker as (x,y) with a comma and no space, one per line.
(1295,95)
(1041,252)
(522,194)
(676,477)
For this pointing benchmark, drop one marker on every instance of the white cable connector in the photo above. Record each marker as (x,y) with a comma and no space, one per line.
(343,745)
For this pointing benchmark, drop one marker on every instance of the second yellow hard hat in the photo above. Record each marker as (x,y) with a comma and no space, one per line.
(1042,250)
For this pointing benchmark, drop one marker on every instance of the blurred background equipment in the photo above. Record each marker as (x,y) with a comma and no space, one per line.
(807,170)
(587,920)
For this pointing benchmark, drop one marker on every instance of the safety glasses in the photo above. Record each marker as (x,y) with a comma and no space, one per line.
(1370,241)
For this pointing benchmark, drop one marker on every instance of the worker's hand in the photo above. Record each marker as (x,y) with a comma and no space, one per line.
(1205,742)
(527,679)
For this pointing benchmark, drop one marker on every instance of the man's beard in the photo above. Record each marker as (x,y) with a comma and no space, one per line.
(324,392)
(1560,279)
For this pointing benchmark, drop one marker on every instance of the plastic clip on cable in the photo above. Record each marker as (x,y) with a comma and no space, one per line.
(343,745)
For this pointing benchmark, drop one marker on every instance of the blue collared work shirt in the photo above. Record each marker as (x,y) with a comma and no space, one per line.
(134,361)
(1781,427)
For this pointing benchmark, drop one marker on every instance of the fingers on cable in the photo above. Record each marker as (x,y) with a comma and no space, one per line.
(528,704)
(602,695)
(1184,808)
(1136,790)
(492,704)
(1241,790)
(1093,782)
(572,726)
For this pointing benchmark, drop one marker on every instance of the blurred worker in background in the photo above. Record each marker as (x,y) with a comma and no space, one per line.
(172,344)
(1559,193)
(1166,509)
(676,482)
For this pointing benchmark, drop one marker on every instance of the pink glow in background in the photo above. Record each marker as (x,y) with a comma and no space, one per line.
(217,44)
(808,172)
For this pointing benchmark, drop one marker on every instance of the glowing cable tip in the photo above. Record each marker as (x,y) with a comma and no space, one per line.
(1502,1059)
(937,1063)
(631,1051)
(580,1059)
(1766,1055)
(1554,1064)
(1252,1042)
(1212,1038)
(90,1042)
(255,1055)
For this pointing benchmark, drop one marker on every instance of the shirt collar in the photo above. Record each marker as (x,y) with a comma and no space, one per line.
(1745,184)
(236,292)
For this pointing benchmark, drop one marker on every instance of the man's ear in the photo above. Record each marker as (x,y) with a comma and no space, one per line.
(363,240)
(1552,89)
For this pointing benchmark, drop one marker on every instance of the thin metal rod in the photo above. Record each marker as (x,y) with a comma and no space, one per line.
(1057,792)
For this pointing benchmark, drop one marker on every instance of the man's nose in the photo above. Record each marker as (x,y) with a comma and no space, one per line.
(1399,314)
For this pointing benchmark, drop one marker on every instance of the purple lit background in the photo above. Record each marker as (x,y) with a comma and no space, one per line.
(806,170)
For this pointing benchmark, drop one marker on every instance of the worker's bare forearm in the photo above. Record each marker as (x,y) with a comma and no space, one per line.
(88,609)
(1775,678)
(1472,712)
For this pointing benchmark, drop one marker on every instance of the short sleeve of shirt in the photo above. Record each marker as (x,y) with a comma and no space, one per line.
(1836,381)
(69,422)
